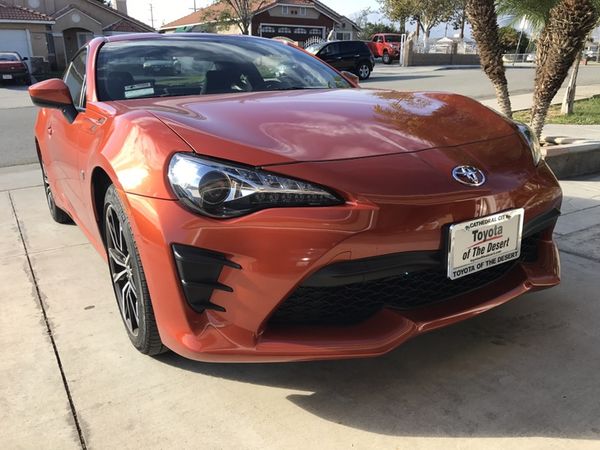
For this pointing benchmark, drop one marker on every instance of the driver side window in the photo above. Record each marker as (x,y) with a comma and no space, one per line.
(75,78)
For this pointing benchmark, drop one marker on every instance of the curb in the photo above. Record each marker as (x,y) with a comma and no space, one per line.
(570,161)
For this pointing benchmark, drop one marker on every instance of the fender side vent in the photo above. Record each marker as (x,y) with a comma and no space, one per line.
(199,271)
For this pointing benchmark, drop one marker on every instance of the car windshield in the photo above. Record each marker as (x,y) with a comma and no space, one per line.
(8,57)
(393,38)
(177,66)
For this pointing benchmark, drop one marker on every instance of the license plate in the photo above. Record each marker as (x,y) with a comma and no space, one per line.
(485,242)
(7,77)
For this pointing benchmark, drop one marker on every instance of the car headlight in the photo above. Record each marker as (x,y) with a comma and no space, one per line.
(532,140)
(224,190)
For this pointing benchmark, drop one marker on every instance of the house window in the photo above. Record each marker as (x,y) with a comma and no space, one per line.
(284,30)
(302,11)
(316,32)
(300,31)
(267,29)
(343,36)
(285,10)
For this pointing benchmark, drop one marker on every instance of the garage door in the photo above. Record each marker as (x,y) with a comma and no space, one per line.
(14,40)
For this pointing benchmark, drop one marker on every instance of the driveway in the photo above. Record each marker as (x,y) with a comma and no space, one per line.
(524,375)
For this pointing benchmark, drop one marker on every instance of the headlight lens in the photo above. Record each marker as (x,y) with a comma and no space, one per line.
(532,140)
(223,190)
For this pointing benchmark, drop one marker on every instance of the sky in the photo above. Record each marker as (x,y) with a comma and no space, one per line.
(168,10)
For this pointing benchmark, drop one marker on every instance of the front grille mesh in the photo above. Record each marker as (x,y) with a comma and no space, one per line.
(353,303)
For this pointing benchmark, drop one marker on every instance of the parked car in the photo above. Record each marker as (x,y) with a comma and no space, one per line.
(266,208)
(14,68)
(352,56)
(386,46)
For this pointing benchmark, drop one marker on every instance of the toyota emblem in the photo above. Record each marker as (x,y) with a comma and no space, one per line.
(468,175)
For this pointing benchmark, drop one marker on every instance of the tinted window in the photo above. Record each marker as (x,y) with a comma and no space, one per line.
(393,38)
(176,66)
(355,47)
(331,49)
(75,77)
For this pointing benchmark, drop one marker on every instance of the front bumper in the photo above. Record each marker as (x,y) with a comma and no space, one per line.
(271,253)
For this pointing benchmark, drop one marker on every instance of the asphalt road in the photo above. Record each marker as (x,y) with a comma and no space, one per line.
(470,82)
(17,116)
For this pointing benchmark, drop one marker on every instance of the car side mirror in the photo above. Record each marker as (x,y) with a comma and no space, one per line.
(53,94)
(25,58)
(351,78)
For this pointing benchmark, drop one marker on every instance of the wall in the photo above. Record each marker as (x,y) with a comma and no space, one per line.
(441,59)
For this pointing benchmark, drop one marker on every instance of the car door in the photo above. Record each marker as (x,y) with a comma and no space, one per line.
(62,136)
(331,55)
(379,44)
(74,141)
(348,55)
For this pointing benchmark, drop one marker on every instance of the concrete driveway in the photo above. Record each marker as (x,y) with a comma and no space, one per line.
(524,375)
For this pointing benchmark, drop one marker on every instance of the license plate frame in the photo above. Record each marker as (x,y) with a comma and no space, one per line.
(490,245)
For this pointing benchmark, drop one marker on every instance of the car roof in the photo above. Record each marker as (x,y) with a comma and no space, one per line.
(180,36)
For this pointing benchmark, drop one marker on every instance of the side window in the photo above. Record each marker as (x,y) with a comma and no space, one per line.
(75,78)
(331,49)
(375,39)
(380,39)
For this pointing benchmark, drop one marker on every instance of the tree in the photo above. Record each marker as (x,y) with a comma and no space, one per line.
(369,29)
(484,22)
(564,25)
(511,38)
(239,11)
(426,13)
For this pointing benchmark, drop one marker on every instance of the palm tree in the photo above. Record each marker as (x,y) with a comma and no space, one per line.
(484,22)
(564,26)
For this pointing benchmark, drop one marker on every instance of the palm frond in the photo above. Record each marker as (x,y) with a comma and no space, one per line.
(536,12)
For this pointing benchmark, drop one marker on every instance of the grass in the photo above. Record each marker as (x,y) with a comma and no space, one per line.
(587,112)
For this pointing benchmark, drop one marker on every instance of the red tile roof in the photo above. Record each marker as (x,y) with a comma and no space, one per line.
(19,13)
(218,10)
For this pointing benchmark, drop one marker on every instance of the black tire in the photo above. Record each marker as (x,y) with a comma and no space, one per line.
(137,315)
(364,70)
(387,59)
(58,215)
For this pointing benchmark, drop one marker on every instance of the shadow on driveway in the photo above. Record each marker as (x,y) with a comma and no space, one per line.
(528,368)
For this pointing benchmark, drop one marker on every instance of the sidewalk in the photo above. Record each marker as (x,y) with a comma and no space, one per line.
(524,375)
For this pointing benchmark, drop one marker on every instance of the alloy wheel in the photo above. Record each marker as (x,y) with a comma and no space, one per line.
(47,190)
(122,271)
(364,72)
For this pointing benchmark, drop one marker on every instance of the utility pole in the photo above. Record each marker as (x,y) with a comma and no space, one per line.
(151,15)
(195,9)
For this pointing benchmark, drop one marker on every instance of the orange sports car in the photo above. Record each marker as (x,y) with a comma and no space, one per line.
(256,205)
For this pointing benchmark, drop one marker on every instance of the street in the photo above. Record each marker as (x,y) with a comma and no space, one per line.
(17,114)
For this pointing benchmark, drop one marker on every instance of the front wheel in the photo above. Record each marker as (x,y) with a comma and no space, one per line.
(128,279)
(364,71)
(387,59)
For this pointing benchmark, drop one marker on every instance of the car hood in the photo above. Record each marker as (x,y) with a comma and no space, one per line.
(264,128)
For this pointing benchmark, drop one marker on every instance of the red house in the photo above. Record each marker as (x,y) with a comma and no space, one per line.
(298,20)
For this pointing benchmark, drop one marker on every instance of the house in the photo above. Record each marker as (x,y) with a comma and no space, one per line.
(49,32)
(298,20)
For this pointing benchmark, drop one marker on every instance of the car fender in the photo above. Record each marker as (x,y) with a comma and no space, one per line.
(134,151)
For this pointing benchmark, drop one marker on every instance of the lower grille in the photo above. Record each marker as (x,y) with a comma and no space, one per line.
(355,302)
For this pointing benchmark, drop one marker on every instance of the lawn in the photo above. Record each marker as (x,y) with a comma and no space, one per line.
(587,112)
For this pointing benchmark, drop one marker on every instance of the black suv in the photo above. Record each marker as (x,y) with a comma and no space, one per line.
(353,56)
